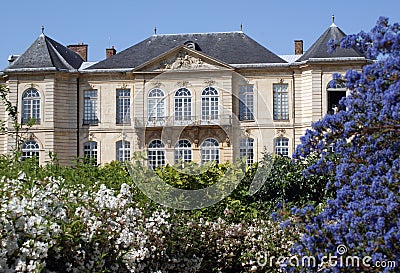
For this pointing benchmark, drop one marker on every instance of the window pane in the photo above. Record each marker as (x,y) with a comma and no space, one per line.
(281,102)
(282,146)
(247,150)
(123,106)
(30,106)
(209,104)
(123,150)
(156,154)
(246,102)
(183,151)
(90,107)
(210,150)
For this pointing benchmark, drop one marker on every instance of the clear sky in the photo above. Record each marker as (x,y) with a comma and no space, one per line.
(100,24)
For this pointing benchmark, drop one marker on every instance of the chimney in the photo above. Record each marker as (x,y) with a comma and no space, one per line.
(110,52)
(298,47)
(81,49)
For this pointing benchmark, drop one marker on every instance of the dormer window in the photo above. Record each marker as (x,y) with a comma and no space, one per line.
(190,44)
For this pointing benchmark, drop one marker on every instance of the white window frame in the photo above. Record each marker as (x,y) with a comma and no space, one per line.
(183,151)
(29,149)
(281,101)
(247,150)
(90,107)
(156,154)
(282,146)
(210,104)
(123,150)
(90,150)
(31,105)
(183,105)
(123,106)
(209,150)
(156,105)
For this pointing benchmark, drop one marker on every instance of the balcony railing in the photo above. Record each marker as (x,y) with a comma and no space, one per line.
(183,121)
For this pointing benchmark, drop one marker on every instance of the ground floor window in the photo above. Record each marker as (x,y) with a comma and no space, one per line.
(282,146)
(183,151)
(247,150)
(156,153)
(123,149)
(30,149)
(209,150)
(90,150)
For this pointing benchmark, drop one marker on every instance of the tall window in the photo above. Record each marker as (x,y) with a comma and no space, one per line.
(90,150)
(247,150)
(183,105)
(29,149)
(90,107)
(156,154)
(31,106)
(123,106)
(210,150)
(281,101)
(282,146)
(246,103)
(183,151)
(123,149)
(156,105)
(336,91)
(209,104)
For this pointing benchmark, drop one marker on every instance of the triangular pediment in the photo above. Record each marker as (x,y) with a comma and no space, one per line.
(182,58)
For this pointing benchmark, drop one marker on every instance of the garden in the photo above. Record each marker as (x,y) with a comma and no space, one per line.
(334,207)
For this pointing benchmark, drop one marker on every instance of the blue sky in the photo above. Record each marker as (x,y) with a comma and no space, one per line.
(100,24)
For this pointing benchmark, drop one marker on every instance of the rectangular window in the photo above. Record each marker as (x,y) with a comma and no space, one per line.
(282,146)
(246,103)
(247,150)
(90,107)
(123,106)
(281,101)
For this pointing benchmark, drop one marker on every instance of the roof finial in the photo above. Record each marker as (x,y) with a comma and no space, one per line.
(333,21)
(241,27)
(155,30)
(42,29)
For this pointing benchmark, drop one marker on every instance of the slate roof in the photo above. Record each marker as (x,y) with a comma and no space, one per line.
(227,47)
(46,54)
(320,48)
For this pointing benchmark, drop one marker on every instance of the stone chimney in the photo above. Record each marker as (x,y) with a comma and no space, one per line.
(110,52)
(298,47)
(81,49)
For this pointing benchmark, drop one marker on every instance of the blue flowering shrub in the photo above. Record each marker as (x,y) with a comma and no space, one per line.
(363,218)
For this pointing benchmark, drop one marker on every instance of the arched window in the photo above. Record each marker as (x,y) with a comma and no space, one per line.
(210,150)
(183,151)
(31,106)
(282,146)
(247,150)
(90,150)
(123,149)
(335,92)
(183,105)
(30,148)
(156,105)
(156,153)
(209,104)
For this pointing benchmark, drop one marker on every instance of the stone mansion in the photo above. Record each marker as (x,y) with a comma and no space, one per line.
(179,97)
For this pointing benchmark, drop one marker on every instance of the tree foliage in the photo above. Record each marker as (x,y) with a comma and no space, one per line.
(364,214)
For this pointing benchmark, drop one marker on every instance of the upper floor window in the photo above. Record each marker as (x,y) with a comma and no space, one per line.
(123,106)
(31,106)
(336,91)
(210,150)
(183,105)
(156,153)
(246,102)
(90,150)
(90,107)
(282,146)
(183,151)
(29,149)
(281,101)
(123,149)
(209,104)
(247,150)
(156,105)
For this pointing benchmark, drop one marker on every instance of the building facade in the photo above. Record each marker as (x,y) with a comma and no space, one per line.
(179,97)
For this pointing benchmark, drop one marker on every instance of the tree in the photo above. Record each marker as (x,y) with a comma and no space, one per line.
(364,215)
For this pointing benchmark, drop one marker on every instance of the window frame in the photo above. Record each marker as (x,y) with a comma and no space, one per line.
(90,115)
(184,112)
(280,148)
(157,102)
(156,149)
(30,152)
(90,151)
(246,102)
(246,149)
(281,102)
(209,104)
(123,150)
(209,152)
(123,106)
(31,106)
(183,151)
